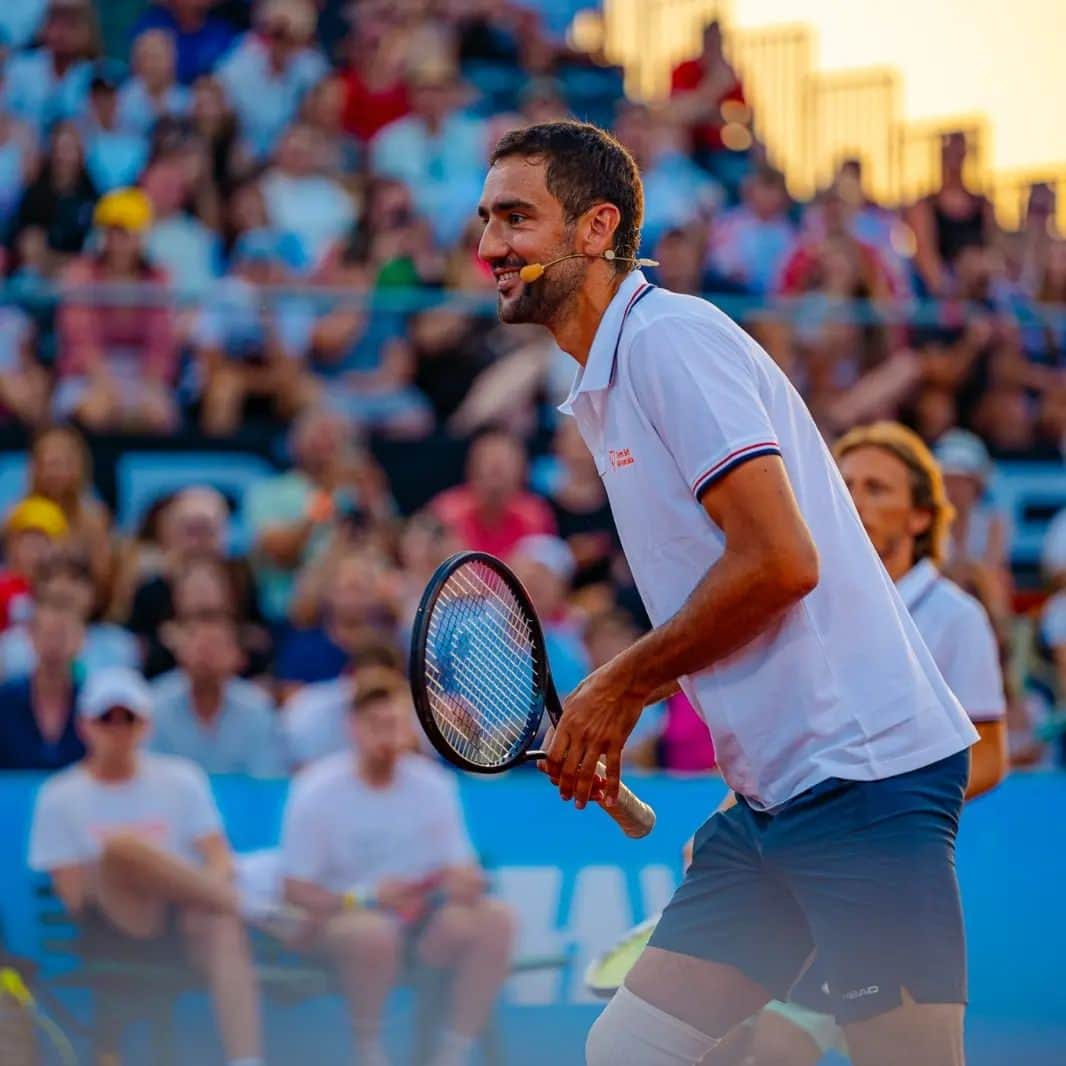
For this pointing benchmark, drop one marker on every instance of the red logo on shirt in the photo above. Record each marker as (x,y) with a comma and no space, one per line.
(621,457)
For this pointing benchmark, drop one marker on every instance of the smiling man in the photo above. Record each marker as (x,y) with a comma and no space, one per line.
(847,750)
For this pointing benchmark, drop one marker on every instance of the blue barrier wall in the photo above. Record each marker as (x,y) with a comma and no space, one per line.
(577,883)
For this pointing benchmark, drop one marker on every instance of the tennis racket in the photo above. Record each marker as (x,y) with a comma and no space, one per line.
(480,676)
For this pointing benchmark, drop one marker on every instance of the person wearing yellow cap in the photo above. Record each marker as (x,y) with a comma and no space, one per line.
(118,349)
(31,529)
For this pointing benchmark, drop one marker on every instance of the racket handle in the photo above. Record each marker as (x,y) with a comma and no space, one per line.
(633,816)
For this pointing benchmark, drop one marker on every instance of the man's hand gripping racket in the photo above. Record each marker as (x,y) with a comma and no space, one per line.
(481,684)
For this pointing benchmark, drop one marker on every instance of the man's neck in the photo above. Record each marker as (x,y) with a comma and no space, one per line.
(376,775)
(900,562)
(576,328)
(206,697)
(112,772)
(51,681)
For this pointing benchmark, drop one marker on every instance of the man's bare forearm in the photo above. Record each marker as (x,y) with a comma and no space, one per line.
(738,598)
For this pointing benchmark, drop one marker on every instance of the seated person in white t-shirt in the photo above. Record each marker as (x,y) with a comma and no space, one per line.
(132,841)
(899,493)
(374,846)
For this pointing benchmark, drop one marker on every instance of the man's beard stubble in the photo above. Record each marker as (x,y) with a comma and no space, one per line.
(543,301)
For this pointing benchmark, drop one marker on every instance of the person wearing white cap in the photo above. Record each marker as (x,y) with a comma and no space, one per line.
(132,841)
(980,532)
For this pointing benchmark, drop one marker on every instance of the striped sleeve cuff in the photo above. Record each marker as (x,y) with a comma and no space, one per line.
(731,462)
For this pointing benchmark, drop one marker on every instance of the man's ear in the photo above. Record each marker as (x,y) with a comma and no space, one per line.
(597,228)
(170,637)
(919,522)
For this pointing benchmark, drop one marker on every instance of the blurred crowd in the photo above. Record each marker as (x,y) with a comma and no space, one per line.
(266,217)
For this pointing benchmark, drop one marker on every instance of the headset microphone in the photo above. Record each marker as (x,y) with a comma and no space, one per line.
(533,271)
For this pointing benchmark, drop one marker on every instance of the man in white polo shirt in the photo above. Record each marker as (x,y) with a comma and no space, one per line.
(847,750)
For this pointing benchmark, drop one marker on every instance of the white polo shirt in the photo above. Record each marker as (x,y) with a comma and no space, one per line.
(673,397)
(957,631)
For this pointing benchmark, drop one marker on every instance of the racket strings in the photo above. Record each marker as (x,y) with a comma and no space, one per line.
(481,667)
(502,704)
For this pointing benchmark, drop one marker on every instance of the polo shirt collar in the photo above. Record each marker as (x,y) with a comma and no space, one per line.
(915,584)
(596,374)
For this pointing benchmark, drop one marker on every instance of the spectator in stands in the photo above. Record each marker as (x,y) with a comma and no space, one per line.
(179,243)
(133,843)
(18,164)
(750,243)
(309,205)
(680,252)
(37,729)
(214,123)
(493,510)
(251,350)
(200,38)
(153,91)
(580,507)
(58,204)
(117,364)
(64,578)
(949,220)
(24,382)
(374,847)
(341,594)
(706,95)
(204,711)
(49,83)
(314,717)
(294,514)
(980,533)
(270,70)
(546,566)
(424,544)
(115,154)
(32,530)
(61,471)
(377,57)
(392,240)
(193,538)
(873,224)
(437,151)
(363,364)
(337,151)
(676,191)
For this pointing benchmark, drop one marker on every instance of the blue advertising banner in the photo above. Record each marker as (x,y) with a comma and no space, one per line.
(577,883)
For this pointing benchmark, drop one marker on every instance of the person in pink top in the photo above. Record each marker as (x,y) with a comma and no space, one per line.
(118,355)
(492,510)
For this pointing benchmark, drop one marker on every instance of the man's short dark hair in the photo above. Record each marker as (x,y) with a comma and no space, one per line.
(584,166)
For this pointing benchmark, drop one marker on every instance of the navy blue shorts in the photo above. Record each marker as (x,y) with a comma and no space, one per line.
(861,872)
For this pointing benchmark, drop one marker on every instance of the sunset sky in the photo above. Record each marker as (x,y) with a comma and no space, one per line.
(1006,59)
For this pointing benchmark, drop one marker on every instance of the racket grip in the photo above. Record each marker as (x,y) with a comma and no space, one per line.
(633,816)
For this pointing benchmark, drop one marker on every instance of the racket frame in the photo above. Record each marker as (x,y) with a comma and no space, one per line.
(548,698)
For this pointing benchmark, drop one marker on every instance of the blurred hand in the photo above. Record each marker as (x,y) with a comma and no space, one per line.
(463,884)
(320,507)
(407,899)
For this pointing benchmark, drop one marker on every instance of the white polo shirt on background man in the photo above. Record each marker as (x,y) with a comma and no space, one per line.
(956,629)
(673,396)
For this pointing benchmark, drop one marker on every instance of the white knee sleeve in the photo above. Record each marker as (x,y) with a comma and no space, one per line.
(631,1032)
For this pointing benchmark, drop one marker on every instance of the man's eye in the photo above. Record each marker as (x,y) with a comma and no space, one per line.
(514,218)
